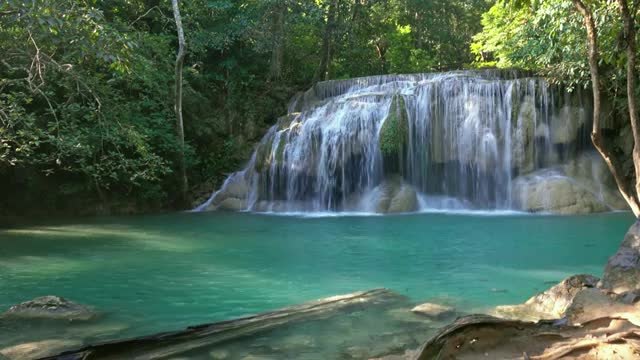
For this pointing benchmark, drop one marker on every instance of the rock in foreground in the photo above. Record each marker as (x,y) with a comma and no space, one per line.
(622,272)
(551,304)
(50,307)
(485,337)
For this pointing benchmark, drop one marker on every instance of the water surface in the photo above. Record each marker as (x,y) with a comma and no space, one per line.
(157,273)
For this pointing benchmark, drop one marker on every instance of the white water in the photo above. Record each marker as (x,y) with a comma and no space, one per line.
(468,136)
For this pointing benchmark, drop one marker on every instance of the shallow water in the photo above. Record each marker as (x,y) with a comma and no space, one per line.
(157,273)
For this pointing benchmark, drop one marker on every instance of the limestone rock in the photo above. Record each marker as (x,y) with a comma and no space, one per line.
(622,272)
(555,193)
(233,204)
(232,195)
(589,304)
(39,349)
(405,200)
(433,310)
(392,196)
(50,307)
(551,304)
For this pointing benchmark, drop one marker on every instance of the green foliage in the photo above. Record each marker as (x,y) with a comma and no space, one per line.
(86,87)
(549,37)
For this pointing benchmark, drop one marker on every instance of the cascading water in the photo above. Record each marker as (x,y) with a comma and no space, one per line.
(461,140)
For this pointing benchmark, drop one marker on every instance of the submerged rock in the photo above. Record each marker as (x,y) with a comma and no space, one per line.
(551,304)
(50,307)
(622,272)
(433,310)
(39,349)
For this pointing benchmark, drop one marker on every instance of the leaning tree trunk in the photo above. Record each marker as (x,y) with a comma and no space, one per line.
(630,39)
(596,132)
(323,72)
(178,103)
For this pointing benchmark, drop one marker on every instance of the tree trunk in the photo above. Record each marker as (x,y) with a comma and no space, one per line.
(324,70)
(178,103)
(630,39)
(596,133)
(277,53)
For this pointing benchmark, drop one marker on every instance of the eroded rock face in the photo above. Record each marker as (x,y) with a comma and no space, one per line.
(622,272)
(50,307)
(551,304)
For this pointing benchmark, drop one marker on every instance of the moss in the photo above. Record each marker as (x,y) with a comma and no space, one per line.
(394,131)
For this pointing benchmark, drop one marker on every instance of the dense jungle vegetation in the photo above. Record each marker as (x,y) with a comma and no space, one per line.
(87,86)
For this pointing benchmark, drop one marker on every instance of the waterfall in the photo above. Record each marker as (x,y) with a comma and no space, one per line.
(402,143)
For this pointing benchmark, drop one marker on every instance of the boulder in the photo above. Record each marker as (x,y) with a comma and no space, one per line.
(39,349)
(233,204)
(233,194)
(50,307)
(589,304)
(433,310)
(551,191)
(550,304)
(392,196)
(622,272)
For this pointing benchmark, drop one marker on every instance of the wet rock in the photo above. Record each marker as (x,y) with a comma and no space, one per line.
(551,304)
(233,204)
(233,194)
(39,349)
(548,191)
(393,196)
(433,310)
(50,307)
(622,273)
(219,354)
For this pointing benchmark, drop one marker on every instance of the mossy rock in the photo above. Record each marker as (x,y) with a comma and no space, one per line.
(394,131)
